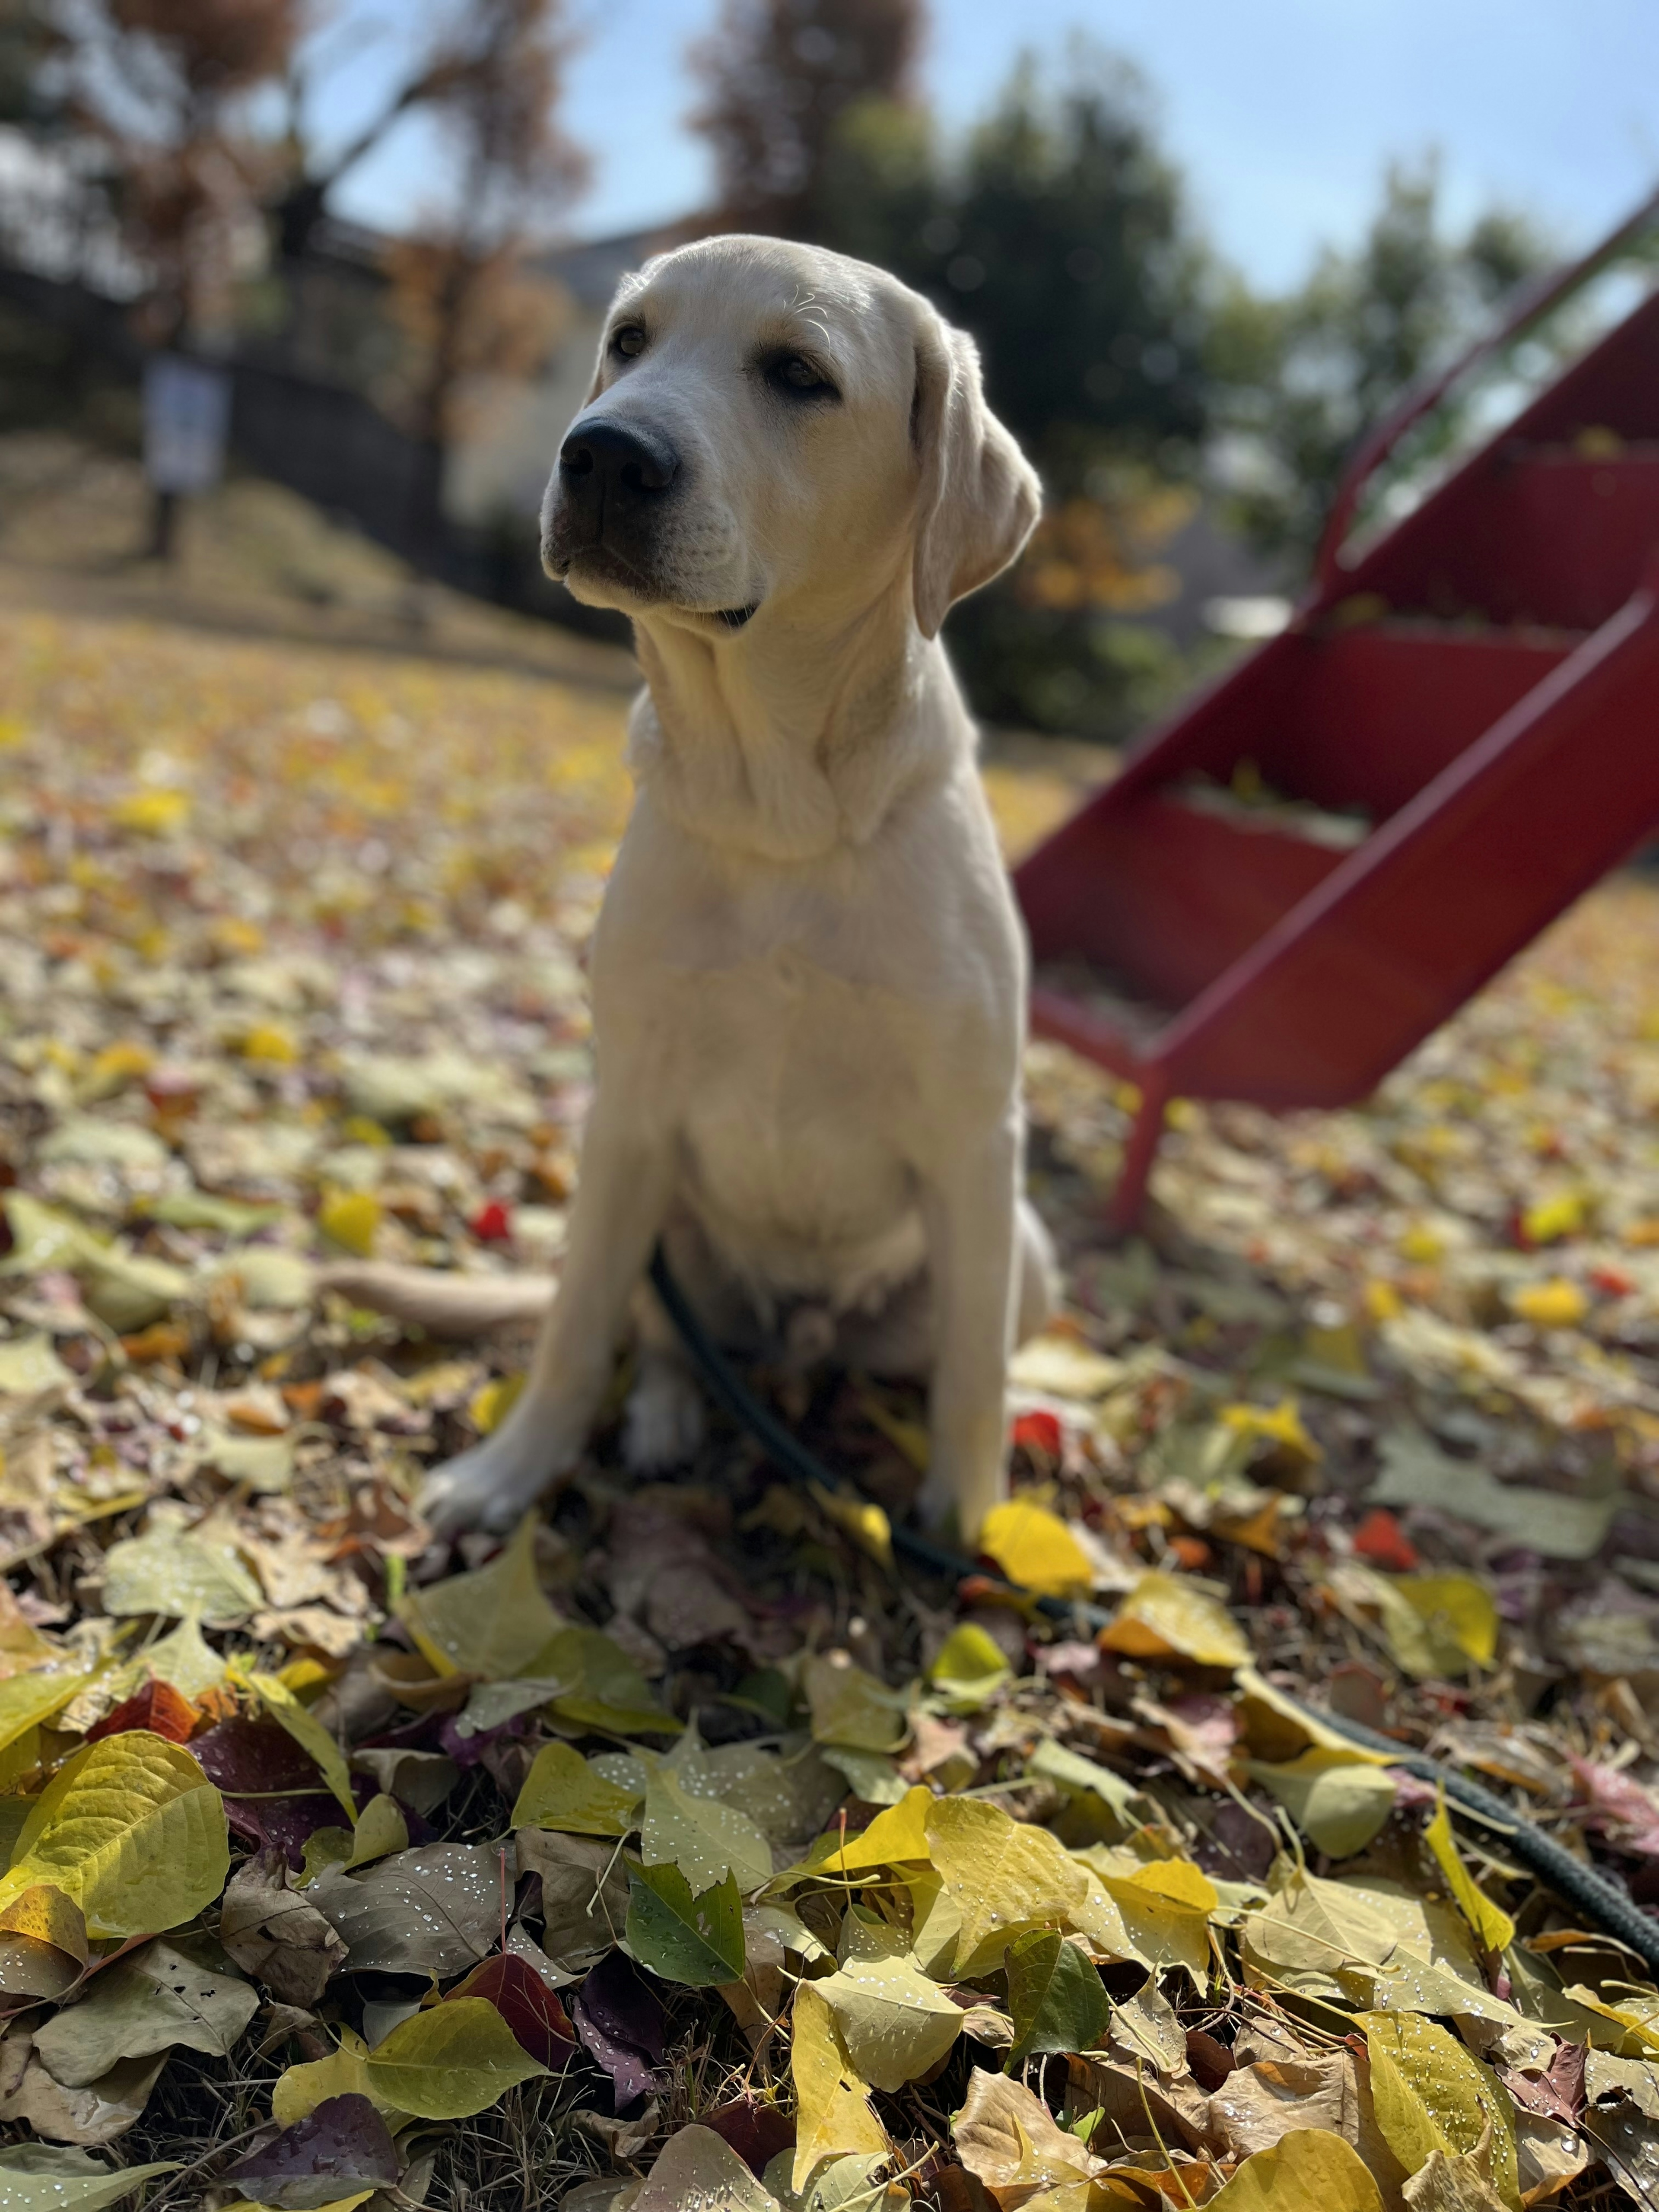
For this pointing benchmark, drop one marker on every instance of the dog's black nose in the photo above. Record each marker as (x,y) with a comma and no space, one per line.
(604,457)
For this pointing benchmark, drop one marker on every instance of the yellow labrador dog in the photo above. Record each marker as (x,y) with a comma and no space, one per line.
(808,975)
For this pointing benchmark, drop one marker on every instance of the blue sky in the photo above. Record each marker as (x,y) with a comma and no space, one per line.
(1283,113)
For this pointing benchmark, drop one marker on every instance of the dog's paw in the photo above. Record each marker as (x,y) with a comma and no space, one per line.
(484,1488)
(666,1421)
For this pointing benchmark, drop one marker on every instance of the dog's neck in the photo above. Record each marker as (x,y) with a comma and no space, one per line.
(787,742)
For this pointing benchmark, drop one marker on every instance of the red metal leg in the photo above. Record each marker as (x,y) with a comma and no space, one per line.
(1138,1156)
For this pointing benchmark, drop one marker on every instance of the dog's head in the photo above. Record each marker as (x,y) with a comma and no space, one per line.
(775,427)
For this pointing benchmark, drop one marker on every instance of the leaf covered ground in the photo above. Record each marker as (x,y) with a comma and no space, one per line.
(681,1851)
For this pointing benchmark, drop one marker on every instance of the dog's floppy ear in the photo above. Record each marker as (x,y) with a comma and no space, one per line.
(979,496)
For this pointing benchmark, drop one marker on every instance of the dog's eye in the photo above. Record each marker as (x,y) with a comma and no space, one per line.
(629,341)
(792,373)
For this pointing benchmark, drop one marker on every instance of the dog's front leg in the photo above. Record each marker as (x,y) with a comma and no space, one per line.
(969,1201)
(622,1200)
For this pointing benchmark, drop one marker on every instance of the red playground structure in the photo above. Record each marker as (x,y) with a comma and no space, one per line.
(1464,725)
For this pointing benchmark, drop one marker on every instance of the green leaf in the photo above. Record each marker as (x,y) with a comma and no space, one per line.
(1337,1800)
(175,1574)
(562,1791)
(132,1830)
(450,2061)
(158,1998)
(182,1657)
(493,1623)
(850,1708)
(970,1669)
(1057,1999)
(694,1940)
(607,1690)
(704,1838)
(697,2167)
(1053,1762)
(28,1365)
(38,2177)
(312,1738)
(894,2023)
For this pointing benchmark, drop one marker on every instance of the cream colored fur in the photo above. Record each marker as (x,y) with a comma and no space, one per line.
(808,975)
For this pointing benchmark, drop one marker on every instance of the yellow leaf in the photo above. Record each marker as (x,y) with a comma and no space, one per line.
(131,1831)
(26,1700)
(1457,1605)
(1164,1617)
(970,1670)
(1556,1304)
(493,1623)
(1431,2095)
(861,1518)
(1002,1875)
(1035,1548)
(1422,1245)
(894,2023)
(490,1405)
(312,1738)
(152,813)
(1551,1218)
(1339,1799)
(1309,2170)
(351,1219)
(1280,1425)
(1165,1906)
(1494,1930)
(833,2115)
(344,2073)
(562,1791)
(1383,1301)
(450,2061)
(850,1706)
(896,1837)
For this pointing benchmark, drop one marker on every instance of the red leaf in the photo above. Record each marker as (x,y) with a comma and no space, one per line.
(1380,1538)
(1039,1431)
(492,1223)
(754,2129)
(531,2009)
(158,1707)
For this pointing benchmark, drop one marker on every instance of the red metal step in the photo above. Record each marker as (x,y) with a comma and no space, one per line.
(1441,792)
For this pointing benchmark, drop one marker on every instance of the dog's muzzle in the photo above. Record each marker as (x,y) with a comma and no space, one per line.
(610,488)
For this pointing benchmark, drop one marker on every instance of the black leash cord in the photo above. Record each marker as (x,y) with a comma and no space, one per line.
(1597,1898)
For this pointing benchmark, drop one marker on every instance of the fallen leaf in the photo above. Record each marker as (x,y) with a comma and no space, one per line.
(340,2146)
(526,2003)
(562,1790)
(894,2023)
(1011,2144)
(312,1738)
(696,2167)
(130,1829)
(1430,2095)
(896,1837)
(1055,1997)
(1002,1876)
(619,2018)
(834,2114)
(43,2177)
(1494,1930)
(435,1910)
(693,1938)
(493,1623)
(1055,1762)
(1165,1617)
(160,1996)
(968,1669)
(1035,1549)
(849,1707)
(706,1839)
(450,2062)
(1338,1801)
(1309,2166)
(277,1935)
(584,1893)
